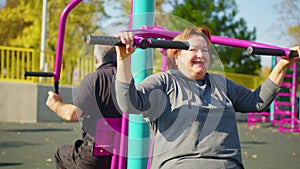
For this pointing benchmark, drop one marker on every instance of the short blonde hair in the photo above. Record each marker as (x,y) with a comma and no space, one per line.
(172,54)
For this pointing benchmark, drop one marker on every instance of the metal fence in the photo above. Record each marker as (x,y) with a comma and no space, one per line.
(14,61)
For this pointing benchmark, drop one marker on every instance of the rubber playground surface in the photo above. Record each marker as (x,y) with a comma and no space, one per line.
(31,146)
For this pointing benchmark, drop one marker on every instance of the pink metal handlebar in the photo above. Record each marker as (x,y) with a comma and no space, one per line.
(60,41)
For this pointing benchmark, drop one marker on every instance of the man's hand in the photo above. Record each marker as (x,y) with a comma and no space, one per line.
(53,101)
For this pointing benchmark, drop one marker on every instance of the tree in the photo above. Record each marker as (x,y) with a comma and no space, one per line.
(220,17)
(289,22)
(22,20)
(12,21)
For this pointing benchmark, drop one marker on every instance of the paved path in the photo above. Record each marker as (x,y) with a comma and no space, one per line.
(31,146)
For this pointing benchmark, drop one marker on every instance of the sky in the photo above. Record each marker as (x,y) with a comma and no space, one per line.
(2,3)
(262,15)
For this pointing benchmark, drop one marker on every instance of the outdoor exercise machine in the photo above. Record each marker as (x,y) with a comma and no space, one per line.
(147,35)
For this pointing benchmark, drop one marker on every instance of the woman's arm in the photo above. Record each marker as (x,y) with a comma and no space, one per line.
(123,57)
(277,74)
(245,100)
(132,99)
(125,92)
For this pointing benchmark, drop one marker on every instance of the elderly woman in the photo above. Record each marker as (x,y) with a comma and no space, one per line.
(191,112)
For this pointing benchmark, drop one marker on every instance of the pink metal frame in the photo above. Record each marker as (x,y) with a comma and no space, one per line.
(255,117)
(289,121)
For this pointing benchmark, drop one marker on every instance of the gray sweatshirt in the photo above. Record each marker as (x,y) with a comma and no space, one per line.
(193,122)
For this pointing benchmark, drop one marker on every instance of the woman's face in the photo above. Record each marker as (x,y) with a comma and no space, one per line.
(194,62)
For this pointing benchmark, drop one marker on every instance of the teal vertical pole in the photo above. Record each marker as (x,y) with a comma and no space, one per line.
(138,130)
(272,108)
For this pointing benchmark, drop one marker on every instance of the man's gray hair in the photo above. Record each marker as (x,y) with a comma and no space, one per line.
(105,54)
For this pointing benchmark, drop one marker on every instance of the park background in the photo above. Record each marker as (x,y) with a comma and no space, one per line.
(275,23)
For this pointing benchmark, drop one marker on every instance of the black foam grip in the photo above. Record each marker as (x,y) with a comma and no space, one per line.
(169,44)
(103,40)
(293,53)
(145,43)
(56,86)
(268,51)
(39,74)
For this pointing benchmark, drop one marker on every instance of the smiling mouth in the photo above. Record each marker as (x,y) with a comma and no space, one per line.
(198,62)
